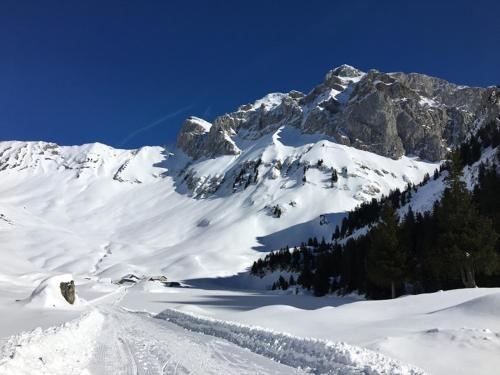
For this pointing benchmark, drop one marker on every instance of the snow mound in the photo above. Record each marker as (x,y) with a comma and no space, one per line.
(485,305)
(315,356)
(66,349)
(154,287)
(48,294)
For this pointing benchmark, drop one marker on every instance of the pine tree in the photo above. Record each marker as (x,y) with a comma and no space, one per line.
(466,240)
(282,283)
(436,174)
(320,280)
(306,276)
(336,234)
(386,260)
(407,242)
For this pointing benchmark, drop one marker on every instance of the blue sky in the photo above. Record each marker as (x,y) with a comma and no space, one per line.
(126,73)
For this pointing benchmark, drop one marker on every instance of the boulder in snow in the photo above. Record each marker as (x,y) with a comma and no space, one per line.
(54,292)
(68,291)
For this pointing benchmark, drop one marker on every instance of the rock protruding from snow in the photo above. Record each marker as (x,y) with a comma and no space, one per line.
(54,292)
(389,114)
(200,138)
(250,121)
(344,71)
(316,356)
(193,135)
(68,291)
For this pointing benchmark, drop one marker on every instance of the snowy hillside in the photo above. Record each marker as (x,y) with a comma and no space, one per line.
(271,173)
(75,220)
(95,210)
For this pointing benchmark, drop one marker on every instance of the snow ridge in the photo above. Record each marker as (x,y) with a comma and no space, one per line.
(312,355)
(66,349)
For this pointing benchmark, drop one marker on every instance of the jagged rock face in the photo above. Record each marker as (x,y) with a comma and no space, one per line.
(385,116)
(391,114)
(200,138)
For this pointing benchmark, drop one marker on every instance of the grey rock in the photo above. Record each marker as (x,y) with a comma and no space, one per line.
(199,138)
(68,291)
(193,136)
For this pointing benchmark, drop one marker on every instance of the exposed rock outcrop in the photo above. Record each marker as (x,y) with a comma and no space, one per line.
(68,291)
(200,138)
(391,114)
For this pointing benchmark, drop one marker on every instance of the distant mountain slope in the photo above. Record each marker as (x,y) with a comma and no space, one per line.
(255,179)
(441,234)
(93,209)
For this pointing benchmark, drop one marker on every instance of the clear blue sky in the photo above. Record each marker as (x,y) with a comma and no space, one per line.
(84,71)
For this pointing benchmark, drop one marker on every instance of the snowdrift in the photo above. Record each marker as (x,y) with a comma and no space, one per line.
(48,294)
(485,305)
(64,349)
(316,356)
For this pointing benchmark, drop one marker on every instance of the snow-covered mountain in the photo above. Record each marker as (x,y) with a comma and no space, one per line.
(391,114)
(254,180)
(93,209)
(275,172)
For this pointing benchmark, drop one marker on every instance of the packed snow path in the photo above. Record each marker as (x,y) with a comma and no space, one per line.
(112,341)
(109,339)
(134,343)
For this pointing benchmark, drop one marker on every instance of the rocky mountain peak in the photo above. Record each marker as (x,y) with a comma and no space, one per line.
(345,70)
(391,114)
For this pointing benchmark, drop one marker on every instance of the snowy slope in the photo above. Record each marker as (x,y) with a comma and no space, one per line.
(95,210)
(451,332)
(430,192)
(107,339)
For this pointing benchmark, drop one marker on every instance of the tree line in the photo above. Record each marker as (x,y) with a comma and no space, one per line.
(456,244)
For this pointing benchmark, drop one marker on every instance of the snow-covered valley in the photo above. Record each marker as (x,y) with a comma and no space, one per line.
(100,213)
(95,210)
(120,223)
(148,328)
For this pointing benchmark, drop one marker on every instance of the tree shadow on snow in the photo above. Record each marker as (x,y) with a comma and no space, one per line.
(296,234)
(254,300)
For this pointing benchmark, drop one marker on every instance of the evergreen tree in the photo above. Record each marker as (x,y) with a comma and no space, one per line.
(386,260)
(436,174)
(336,234)
(282,283)
(320,281)
(466,240)
(407,242)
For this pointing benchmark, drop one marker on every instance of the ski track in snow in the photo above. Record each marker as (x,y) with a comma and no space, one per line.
(111,340)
